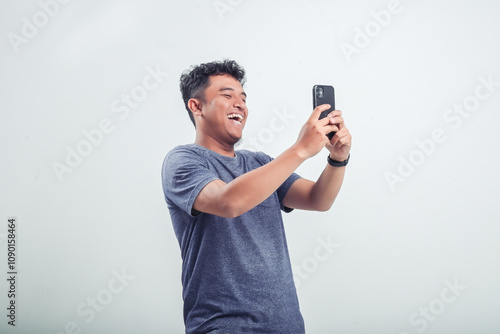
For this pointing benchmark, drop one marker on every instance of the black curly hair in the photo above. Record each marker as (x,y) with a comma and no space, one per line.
(195,80)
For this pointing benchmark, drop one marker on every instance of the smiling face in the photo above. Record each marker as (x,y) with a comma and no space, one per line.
(222,114)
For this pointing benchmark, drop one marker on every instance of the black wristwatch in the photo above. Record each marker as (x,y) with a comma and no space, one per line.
(336,163)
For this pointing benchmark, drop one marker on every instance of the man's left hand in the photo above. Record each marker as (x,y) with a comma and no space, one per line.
(340,144)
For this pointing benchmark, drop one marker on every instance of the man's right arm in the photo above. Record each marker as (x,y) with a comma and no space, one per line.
(250,189)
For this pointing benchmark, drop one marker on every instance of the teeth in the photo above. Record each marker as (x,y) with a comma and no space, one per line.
(238,116)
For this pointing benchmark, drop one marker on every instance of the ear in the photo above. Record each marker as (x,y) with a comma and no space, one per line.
(195,106)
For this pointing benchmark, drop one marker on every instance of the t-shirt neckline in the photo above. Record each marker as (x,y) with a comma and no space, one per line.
(236,155)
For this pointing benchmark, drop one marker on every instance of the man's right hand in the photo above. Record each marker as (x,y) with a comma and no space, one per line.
(312,137)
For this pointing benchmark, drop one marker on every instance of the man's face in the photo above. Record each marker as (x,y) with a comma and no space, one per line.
(224,112)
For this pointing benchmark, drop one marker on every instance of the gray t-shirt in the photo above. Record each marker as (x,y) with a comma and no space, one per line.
(236,273)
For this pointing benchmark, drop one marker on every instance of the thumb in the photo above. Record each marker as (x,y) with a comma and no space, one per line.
(317,111)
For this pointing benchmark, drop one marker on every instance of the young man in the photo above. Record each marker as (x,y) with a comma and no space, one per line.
(225,207)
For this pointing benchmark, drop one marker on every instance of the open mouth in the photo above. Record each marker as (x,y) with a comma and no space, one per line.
(236,118)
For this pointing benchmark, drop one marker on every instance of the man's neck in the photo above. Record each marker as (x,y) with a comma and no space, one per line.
(213,145)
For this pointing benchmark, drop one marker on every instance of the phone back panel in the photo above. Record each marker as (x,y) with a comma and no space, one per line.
(327,97)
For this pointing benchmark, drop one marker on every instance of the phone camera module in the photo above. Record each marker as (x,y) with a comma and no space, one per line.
(319,92)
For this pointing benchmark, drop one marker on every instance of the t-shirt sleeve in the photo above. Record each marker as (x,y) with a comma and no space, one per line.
(283,189)
(184,174)
(285,186)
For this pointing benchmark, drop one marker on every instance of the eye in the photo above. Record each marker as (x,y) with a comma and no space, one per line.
(227,95)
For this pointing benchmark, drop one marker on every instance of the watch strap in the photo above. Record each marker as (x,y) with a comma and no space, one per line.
(336,163)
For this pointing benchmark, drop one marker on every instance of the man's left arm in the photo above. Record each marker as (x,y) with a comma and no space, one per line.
(319,196)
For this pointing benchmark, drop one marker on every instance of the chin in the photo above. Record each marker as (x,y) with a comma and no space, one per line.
(235,141)
(238,143)
(234,138)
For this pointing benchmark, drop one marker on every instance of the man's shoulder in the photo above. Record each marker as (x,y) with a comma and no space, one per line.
(183,156)
(254,155)
(184,150)
(187,152)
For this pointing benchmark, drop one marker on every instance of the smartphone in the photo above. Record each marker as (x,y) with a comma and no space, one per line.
(323,94)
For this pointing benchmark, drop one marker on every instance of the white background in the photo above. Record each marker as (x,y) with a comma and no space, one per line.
(396,246)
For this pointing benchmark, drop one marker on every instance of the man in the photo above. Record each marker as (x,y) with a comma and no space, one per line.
(225,207)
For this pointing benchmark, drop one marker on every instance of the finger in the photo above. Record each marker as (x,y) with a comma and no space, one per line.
(343,132)
(343,140)
(340,135)
(330,128)
(325,121)
(332,118)
(317,112)
(334,140)
(339,121)
(336,113)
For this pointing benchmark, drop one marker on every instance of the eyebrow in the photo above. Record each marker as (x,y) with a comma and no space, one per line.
(229,88)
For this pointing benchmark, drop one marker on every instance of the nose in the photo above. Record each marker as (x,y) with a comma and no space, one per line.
(239,103)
